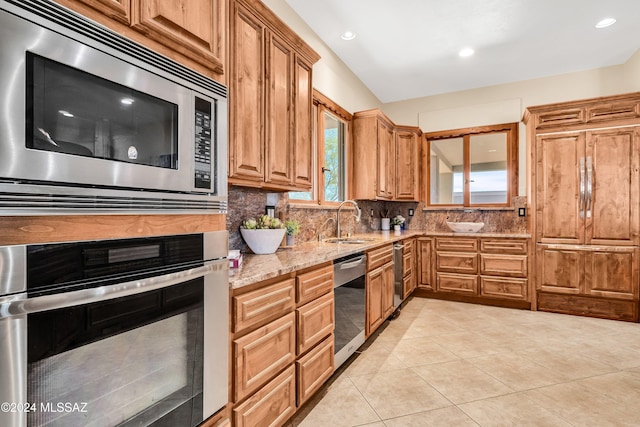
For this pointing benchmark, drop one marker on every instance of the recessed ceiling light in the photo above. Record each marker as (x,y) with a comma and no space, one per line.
(606,22)
(348,35)
(467,51)
(65,113)
(126,101)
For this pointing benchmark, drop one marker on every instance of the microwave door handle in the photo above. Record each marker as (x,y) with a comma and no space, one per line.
(23,305)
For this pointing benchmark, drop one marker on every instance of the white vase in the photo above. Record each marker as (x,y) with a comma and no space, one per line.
(291,240)
(265,241)
(385,223)
(396,228)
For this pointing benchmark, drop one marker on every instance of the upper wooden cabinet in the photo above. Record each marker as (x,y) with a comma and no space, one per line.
(191,32)
(271,104)
(385,158)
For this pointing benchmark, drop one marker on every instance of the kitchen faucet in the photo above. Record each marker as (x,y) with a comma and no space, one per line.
(338,219)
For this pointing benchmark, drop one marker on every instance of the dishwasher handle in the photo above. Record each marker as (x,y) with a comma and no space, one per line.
(352,264)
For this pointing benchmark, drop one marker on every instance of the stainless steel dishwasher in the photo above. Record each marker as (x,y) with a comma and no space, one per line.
(398,272)
(349,292)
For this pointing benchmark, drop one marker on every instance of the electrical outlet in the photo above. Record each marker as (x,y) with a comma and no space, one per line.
(522,212)
(371,213)
(411,211)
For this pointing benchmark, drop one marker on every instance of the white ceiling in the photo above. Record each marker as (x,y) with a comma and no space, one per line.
(409,48)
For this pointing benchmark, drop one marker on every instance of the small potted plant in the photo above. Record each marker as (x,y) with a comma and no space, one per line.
(263,235)
(397,222)
(293,228)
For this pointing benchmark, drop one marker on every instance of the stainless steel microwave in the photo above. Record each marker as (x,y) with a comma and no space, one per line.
(91,121)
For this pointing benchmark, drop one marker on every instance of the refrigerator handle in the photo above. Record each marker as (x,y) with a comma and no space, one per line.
(582,188)
(589,186)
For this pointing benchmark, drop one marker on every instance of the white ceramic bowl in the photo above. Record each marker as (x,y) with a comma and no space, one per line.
(265,241)
(465,227)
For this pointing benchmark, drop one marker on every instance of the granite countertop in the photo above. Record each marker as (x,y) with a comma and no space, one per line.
(256,268)
(479,234)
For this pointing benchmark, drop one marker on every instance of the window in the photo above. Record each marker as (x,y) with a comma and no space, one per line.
(331,131)
(473,166)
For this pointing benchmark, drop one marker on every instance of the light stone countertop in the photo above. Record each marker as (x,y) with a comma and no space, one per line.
(256,268)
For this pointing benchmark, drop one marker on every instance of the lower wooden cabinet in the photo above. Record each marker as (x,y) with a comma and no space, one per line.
(282,345)
(314,368)
(272,405)
(379,297)
(603,281)
(483,269)
(261,354)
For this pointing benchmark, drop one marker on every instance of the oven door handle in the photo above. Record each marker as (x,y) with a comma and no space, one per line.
(20,304)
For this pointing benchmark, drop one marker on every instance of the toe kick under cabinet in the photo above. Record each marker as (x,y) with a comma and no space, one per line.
(481,269)
(282,345)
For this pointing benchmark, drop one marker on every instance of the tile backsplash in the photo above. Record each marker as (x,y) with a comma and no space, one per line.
(314,220)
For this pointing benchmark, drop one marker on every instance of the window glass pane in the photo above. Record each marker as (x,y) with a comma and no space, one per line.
(333,159)
(488,177)
(301,195)
(446,170)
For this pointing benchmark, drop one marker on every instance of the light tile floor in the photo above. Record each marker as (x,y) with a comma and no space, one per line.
(444,363)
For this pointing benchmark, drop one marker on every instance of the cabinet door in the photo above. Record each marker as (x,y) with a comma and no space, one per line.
(387,291)
(406,165)
(612,274)
(374,295)
(246,139)
(303,127)
(119,10)
(614,201)
(278,114)
(261,354)
(194,28)
(272,405)
(314,368)
(385,161)
(560,270)
(558,194)
(425,276)
(315,321)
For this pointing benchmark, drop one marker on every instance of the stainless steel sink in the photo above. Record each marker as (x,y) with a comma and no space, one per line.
(352,240)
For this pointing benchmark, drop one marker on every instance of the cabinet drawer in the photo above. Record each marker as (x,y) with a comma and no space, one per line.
(564,116)
(456,244)
(311,285)
(408,246)
(457,262)
(459,283)
(257,307)
(613,111)
(313,369)
(314,321)
(260,355)
(272,405)
(503,287)
(379,257)
(503,265)
(500,246)
(407,285)
(407,265)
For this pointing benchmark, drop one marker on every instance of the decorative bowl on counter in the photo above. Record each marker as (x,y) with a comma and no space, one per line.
(263,241)
(465,227)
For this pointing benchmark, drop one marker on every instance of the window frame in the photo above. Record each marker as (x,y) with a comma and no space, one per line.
(322,105)
(511,130)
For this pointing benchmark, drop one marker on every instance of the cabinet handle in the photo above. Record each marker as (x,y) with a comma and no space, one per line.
(582,188)
(589,186)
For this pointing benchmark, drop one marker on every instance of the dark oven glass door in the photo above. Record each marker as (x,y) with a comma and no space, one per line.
(73,112)
(135,360)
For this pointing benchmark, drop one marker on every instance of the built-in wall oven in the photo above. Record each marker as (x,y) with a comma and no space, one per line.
(93,121)
(129,332)
(349,274)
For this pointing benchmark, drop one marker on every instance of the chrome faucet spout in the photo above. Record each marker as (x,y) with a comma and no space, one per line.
(358,215)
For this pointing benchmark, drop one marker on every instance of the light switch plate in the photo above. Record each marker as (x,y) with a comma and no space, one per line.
(522,212)
(411,212)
